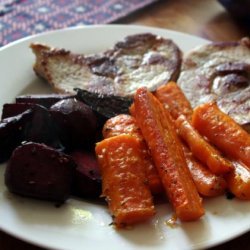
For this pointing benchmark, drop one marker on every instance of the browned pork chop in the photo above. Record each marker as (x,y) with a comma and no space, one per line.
(139,60)
(220,72)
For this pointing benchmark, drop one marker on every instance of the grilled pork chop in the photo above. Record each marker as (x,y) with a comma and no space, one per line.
(139,60)
(220,72)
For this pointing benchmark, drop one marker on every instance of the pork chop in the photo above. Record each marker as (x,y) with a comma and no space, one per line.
(220,72)
(138,60)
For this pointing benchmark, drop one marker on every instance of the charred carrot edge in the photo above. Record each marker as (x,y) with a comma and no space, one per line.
(201,149)
(171,95)
(223,132)
(238,181)
(166,151)
(124,181)
(207,183)
(125,124)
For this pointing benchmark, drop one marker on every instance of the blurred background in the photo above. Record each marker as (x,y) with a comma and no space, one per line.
(206,18)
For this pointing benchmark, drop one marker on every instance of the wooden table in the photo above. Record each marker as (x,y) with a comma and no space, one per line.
(204,18)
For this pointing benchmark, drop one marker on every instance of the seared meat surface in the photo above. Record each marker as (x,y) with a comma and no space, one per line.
(138,60)
(220,72)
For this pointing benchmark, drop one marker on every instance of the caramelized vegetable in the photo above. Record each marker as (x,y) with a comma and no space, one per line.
(12,133)
(106,105)
(76,123)
(201,149)
(160,135)
(171,96)
(125,124)
(87,176)
(38,171)
(223,132)
(45,100)
(207,183)
(41,128)
(13,109)
(124,181)
(121,124)
(238,181)
(173,99)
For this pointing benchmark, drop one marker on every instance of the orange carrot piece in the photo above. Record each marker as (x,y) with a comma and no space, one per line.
(223,132)
(239,181)
(126,124)
(201,149)
(207,183)
(172,97)
(124,181)
(121,124)
(159,133)
(132,109)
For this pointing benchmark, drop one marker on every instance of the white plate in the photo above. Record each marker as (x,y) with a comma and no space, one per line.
(84,225)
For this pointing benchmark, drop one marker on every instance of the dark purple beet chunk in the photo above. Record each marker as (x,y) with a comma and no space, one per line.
(12,133)
(41,128)
(36,170)
(75,122)
(87,179)
(46,100)
(13,109)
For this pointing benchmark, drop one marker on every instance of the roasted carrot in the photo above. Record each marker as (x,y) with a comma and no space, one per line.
(132,109)
(125,124)
(201,149)
(124,181)
(238,181)
(121,124)
(166,151)
(223,132)
(207,183)
(172,97)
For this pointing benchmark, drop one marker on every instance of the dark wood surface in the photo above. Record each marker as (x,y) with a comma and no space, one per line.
(203,18)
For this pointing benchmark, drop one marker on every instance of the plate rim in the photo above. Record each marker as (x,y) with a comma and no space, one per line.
(34,36)
(80,27)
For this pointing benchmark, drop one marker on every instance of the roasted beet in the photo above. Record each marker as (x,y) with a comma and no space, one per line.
(12,133)
(13,109)
(38,171)
(75,122)
(106,106)
(42,129)
(87,179)
(46,100)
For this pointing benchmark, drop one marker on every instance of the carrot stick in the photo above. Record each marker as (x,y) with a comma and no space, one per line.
(163,142)
(171,96)
(201,149)
(132,109)
(173,99)
(223,132)
(121,124)
(125,124)
(207,183)
(239,181)
(124,181)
